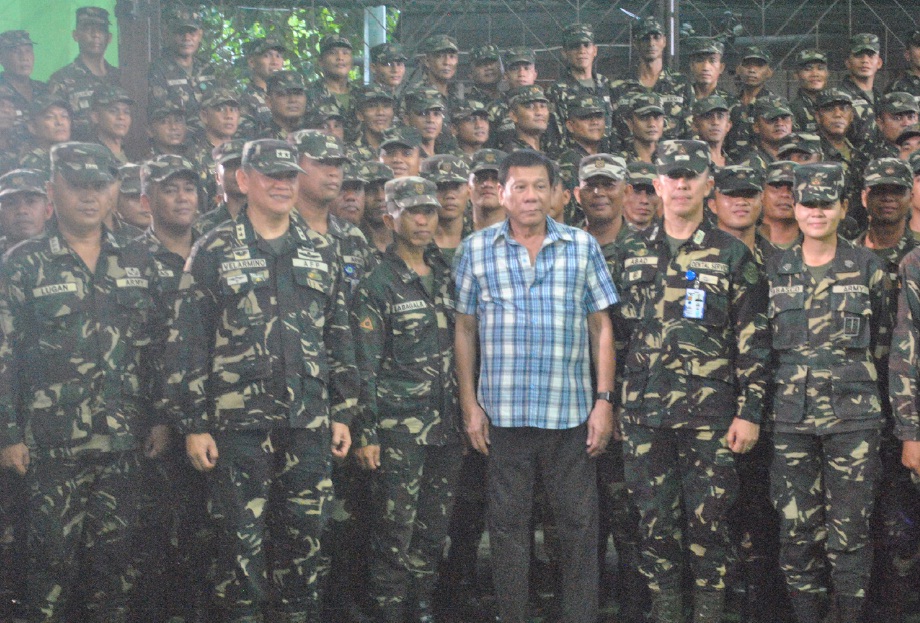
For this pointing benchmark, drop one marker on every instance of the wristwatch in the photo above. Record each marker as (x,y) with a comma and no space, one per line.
(608,396)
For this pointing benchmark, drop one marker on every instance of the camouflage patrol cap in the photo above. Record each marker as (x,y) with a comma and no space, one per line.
(642,104)
(641,173)
(468,108)
(897,102)
(803,142)
(410,192)
(682,156)
(907,133)
(487,160)
(515,56)
(405,135)
(43,102)
(351,172)
(93,15)
(108,94)
(781,172)
(811,55)
(373,171)
(708,104)
(23,181)
(818,183)
(261,45)
(602,165)
(893,171)
(220,96)
(586,106)
(772,108)
(270,157)
(316,117)
(420,99)
(444,169)
(738,177)
(647,26)
(318,146)
(130,177)
(82,163)
(387,53)
(525,94)
(438,43)
(159,108)
(829,97)
(285,81)
(757,53)
(180,18)
(165,166)
(698,46)
(14,38)
(864,42)
(574,34)
(484,54)
(228,151)
(373,93)
(331,41)
(914,162)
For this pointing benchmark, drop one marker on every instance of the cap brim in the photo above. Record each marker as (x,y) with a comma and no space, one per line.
(420,200)
(86,176)
(162,177)
(584,112)
(706,111)
(679,167)
(890,181)
(448,179)
(485,166)
(810,196)
(648,109)
(6,192)
(864,48)
(741,186)
(601,173)
(394,141)
(275,169)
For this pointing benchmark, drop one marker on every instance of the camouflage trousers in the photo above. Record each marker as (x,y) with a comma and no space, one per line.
(173,540)
(410,529)
(824,489)
(14,496)
(269,496)
(81,513)
(618,515)
(681,479)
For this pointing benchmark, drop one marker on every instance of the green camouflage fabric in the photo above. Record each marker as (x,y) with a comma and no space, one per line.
(80,508)
(254,110)
(211,219)
(404,344)
(73,354)
(354,252)
(803,112)
(166,79)
(677,97)
(905,347)
(682,372)
(906,83)
(863,128)
(674,156)
(37,158)
(21,105)
(802,142)
(828,339)
(819,182)
(741,135)
(76,84)
(250,363)
(564,94)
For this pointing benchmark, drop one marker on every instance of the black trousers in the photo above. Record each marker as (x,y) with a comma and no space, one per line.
(570,478)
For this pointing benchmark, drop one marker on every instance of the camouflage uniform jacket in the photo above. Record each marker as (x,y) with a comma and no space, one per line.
(405,343)
(741,135)
(35,157)
(500,124)
(513,143)
(76,83)
(682,372)
(904,367)
(354,252)
(828,338)
(209,220)
(906,83)
(266,333)
(22,105)
(167,80)
(360,150)
(803,113)
(676,98)
(569,89)
(863,128)
(75,348)
(254,110)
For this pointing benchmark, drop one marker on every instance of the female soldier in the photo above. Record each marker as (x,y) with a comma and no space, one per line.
(830,325)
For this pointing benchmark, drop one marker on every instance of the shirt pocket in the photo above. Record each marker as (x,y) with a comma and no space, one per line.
(852,312)
(61,334)
(786,311)
(639,291)
(715,312)
(133,306)
(240,354)
(789,391)
(412,335)
(315,289)
(855,391)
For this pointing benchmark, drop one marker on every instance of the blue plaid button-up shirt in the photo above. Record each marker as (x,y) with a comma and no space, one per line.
(535,361)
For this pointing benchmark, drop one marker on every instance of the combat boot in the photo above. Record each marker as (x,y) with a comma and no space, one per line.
(667,606)
(708,606)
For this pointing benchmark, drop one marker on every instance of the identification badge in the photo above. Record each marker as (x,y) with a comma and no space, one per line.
(695,304)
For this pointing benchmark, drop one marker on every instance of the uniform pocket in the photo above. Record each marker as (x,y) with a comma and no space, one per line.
(855,391)
(786,311)
(852,311)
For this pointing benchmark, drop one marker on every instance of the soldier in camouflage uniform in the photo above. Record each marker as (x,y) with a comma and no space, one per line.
(388,68)
(707,64)
(585,132)
(110,116)
(376,175)
(779,225)
(895,111)
(834,114)
(24,207)
(49,124)
(887,197)
(863,63)
(529,111)
(335,64)
(711,123)
(485,73)
(579,79)
(439,64)
(909,81)
(349,206)
(811,73)
(772,125)
(229,198)
(801,148)
(642,205)
(18,58)
(220,122)
(830,324)
(129,208)
(753,72)
(287,101)
(269,382)
(651,76)
(404,330)
(179,74)
(470,127)
(645,119)
(694,329)
(908,141)
(264,56)
(520,71)
(423,108)
(450,175)
(375,110)
(401,150)
(81,330)
(77,81)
